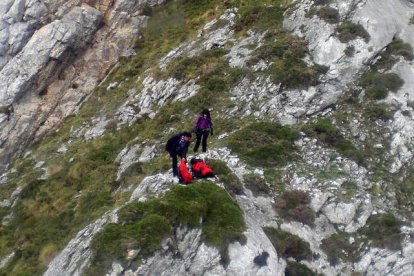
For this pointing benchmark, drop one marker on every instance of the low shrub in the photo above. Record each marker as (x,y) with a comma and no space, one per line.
(348,31)
(294,205)
(288,245)
(384,231)
(256,184)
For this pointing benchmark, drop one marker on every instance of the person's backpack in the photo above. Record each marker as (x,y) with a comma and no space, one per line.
(201,169)
(184,175)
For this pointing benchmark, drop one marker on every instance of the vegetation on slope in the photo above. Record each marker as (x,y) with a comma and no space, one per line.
(142,225)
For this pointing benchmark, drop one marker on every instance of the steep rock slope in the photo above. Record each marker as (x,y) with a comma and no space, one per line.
(312,149)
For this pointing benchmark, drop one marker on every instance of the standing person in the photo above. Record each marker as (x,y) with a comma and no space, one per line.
(178,145)
(203,125)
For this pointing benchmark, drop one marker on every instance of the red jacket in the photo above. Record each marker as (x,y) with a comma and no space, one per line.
(200,169)
(183,173)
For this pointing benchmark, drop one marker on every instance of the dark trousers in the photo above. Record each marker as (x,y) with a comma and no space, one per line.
(201,137)
(173,156)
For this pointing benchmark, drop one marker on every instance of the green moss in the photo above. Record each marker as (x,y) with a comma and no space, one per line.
(348,31)
(383,230)
(144,224)
(288,245)
(294,205)
(337,247)
(264,144)
(229,179)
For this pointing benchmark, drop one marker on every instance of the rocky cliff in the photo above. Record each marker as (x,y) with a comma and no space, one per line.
(313,147)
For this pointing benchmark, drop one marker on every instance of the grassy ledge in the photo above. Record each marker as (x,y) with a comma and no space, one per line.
(143,225)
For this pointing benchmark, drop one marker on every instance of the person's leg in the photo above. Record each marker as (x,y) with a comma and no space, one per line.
(174,163)
(197,143)
(204,142)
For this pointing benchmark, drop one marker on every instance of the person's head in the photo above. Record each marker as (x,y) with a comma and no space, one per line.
(205,113)
(187,136)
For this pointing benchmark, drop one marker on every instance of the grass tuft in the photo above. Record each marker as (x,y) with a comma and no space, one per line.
(264,144)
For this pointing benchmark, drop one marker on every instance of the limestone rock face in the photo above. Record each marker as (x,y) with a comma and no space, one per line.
(52,55)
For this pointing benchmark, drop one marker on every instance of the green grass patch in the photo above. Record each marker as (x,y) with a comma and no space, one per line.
(294,205)
(261,15)
(377,85)
(337,247)
(286,53)
(379,111)
(229,179)
(405,193)
(348,31)
(264,144)
(143,225)
(324,131)
(383,230)
(288,245)
(396,49)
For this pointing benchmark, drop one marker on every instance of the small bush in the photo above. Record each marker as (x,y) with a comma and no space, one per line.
(384,231)
(328,14)
(256,184)
(294,205)
(348,31)
(229,179)
(288,245)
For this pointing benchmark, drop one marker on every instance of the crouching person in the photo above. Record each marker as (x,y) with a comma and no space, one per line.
(178,145)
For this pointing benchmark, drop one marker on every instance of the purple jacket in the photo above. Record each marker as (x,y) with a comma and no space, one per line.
(204,123)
